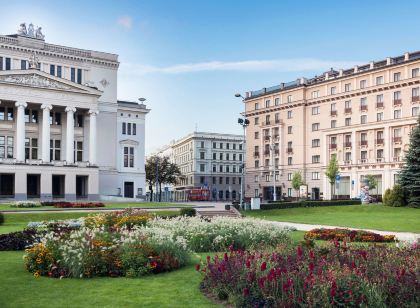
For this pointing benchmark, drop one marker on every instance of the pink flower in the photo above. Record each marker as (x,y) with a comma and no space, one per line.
(248,264)
(245,292)
(299,251)
(226,257)
(263,266)
(230,248)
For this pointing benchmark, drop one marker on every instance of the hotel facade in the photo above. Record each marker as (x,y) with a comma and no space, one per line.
(362,115)
(63,133)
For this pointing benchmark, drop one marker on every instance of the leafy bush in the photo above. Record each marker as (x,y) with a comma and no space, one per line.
(308,203)
(387,196)
(25,204)
(1,218)
(328,276)
(190,212)
(18,240)
(346,234)
(395,197)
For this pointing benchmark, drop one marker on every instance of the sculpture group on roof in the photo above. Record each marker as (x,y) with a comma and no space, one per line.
(30,31)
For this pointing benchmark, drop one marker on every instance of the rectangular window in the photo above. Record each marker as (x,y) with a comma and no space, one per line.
(128,128)
(379,80)
(315,175)
(202,167)
(214,156)
(333,123)
(31,148)
(220,180)
(256,135)
(347,87)
(214,180)
(1,63)
(2,113)
(333,90)
(415,72)
(78,120)
(78,151)
(23,65)
(397,114)
(202,155)
(289,160)
(124,128)
(315,94)
(257,164)
(220,168)
(316,143)
(8,65)
(315,110)
(267,103)
(415,111)
(277,101)
(379,116)
(221,156)
(79,76)
(221,145)
(134,129)
(52,69)
(128,157)
(59,71)
(363,119)
(73,74)
(415,93)
(55,149)
(289,114)
(363,84)
(257,106)
(289,192)
(347,121)
(315,127)
(397,77)
(289,98)
(214,145)
(289,176)
(289,129)
(316,159)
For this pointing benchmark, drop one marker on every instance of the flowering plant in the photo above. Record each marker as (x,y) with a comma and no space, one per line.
(346,234)
(25,204)
(78,204)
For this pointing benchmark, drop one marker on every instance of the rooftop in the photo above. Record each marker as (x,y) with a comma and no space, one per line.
(334,74)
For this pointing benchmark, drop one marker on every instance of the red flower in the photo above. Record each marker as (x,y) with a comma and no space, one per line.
(312,254)
(261,282)
(299,251)
(263,266)
(226,257)
(248,264)
(50,274)
(245,292)
(208,259)
(197,267)
(311,267)
(333,290)
(231,248)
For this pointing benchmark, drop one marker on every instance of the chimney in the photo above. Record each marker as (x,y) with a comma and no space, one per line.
(340,72)
(372,64)
(356,69)
(388,61)
(406,56)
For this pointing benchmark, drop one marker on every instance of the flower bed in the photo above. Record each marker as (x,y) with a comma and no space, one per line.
(78,204)
(18,240)
(346,234)
(25,204)
(334,276)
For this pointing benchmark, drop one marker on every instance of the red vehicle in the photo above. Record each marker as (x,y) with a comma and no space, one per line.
(198,194)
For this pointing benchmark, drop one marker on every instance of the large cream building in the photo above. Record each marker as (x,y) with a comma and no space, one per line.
(63,133)
(363,115)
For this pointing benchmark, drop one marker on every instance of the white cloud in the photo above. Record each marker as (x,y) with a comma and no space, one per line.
(125,22)
(282,65)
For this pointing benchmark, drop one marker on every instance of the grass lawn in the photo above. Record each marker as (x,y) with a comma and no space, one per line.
(6,207)
(19,288)
(18,221)
(376,216)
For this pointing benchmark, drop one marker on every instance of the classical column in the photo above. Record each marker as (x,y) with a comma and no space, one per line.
(70,135)
(92,136)
(46,132)
(20,131)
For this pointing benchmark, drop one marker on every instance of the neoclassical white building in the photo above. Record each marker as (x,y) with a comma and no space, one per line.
(63,133)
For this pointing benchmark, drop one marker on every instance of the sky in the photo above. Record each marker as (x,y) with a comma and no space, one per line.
(189,58)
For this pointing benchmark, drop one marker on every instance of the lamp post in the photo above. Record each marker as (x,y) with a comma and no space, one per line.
(244,122)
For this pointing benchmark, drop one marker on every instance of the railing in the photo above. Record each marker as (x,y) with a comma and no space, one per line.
(8,161)
(363,108)
(256,154)
(347,110)
(380,105)
(347,162)
(265,123)
(415,99)
(396,139)
(363,142)
(363,161)
(397,102)
(267,152)
(277,121)
(333,112)
(34,161)
(379,141)
(333,146)
(289,150)
(379,159)
(347,144)
(396,158)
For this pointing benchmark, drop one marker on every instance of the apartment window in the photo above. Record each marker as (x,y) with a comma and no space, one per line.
(267,103)
(257,164)
(134,129)
(363,103)
(363,119)
(1,63)
(397,132)
(415,93)
(6,147)
(415,111)
(333,123)
(315,175)
(397,95)
(289,176)
(289,98)
(315,110)
(316,159)
(267,178)
(289,160)
(128,128)
(333,90)
(256,135)
(52,69)
(289,114)
(257,106)
(315,126)
(202,155)
(379,101)
(397,114)
(202,167)
(79,76)
(221,156)
(221,182)
(363,155)
(55,149)
(363,84)
(8,63)
(220,168)
(214,156)
(214,180)
(55,118)
(379,116)
(347,121)
(23,64)
(277,118)
(415,72)
(227,156)
(276,101)
(59,71)
(240,146)
(397,77)
(202,179)
(221,145)
(73,74)
(202,144)
(78,120)
(333,107)
(267,119)
(380,153)
(227,180)
(214,168)
(289,192)
(289,129)
(31,116)
(315,143)
(6,113)
(128,157)
(379,80)
(315,94)
(31,148)
(240,157)
(234,146)
(348,156)
(234,169)
(347,104)
(78,151)
(347,87)
(256,120)
(214,145)
(124,128)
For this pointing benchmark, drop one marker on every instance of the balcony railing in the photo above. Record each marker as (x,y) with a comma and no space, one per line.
(333,146)
(397,139)
(380,160)
(363,161)
(347,110)
(267,152)
(363,108)
(266,123)
(347,144)
(289,150)
(277,121)
(415,99)
(397,102)
(256,154)
(380,105)
(333,112)
(379,141)
(396,158)
(363,142)
(347,162)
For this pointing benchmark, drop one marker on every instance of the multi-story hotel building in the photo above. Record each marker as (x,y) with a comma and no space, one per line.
(362,115)
(63,134)
(207,160)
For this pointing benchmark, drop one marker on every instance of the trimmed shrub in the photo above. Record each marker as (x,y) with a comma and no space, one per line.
(25,204)
(287,205)
(1,218)
(18,240)
(395,197)
(190,212)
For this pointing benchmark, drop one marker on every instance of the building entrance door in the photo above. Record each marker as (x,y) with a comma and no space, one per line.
(7,185)
(315,193)
(33,185)
(128,189)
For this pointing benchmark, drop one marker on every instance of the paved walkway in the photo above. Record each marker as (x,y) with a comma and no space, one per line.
(402,236)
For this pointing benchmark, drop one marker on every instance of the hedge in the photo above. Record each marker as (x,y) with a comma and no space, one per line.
(288,205)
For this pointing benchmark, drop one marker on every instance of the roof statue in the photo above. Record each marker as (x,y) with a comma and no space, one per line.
(30,31)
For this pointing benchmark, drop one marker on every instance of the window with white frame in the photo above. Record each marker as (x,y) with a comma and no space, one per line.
(347,87)
(363,119)
(315,94)
(315,127)
(6,113)
(289,176)
(315,175)
(316,143)
(397,114)
(316,159)
(363,84)
(289,114)
(380,116)
(415,72)
(379,80)
(289,98)
(257,106)
(277,101)
(333,123)
(128,157)
(31,148)
(397,77)
(415,111)
(347,121)
(315,110)
(55,149)
(78,151)
(415,93)
(289,192)
(333,90)
(6,147)
(290,130)
(267,103)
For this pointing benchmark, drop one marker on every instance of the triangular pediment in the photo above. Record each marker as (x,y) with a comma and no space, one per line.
(37,79)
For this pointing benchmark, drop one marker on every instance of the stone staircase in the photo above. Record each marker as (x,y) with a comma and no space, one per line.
(226,213)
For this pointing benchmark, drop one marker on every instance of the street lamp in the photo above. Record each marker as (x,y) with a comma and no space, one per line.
(244,122)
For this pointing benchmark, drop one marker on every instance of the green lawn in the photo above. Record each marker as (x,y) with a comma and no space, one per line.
(377,216)
(6,207)
(175,289)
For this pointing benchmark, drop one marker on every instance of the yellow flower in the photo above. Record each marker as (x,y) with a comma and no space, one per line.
(37,274)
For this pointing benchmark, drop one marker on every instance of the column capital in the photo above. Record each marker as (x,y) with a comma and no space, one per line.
(21,104)
(93,111)
(70,109)
(46,106)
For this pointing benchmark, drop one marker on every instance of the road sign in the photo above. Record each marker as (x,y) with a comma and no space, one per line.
(337,177)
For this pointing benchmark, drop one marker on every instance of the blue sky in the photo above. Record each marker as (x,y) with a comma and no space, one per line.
(189,58)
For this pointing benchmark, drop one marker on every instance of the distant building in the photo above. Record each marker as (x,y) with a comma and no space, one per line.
(207,160)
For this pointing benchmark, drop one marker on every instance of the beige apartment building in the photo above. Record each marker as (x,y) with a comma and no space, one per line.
(362,115)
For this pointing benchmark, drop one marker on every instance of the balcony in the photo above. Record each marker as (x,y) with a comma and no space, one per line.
(333,146)
(397,139)
(347,144)
(347,162)
(380,159)
(266,123)
(379,141)
(396,158)
(289,150)
(380,105)
(333,113)
(363,161)
(277,121)
(347,110)
(363,143)
(397,102)
(363,108)
(267,152)
(276,137)
(415,99)
(276,152)
(267,138)
(256,154)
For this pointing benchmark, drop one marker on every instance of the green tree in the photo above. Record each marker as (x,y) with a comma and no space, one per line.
(332,172)
(372,182)
(297,181)
(409,177)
